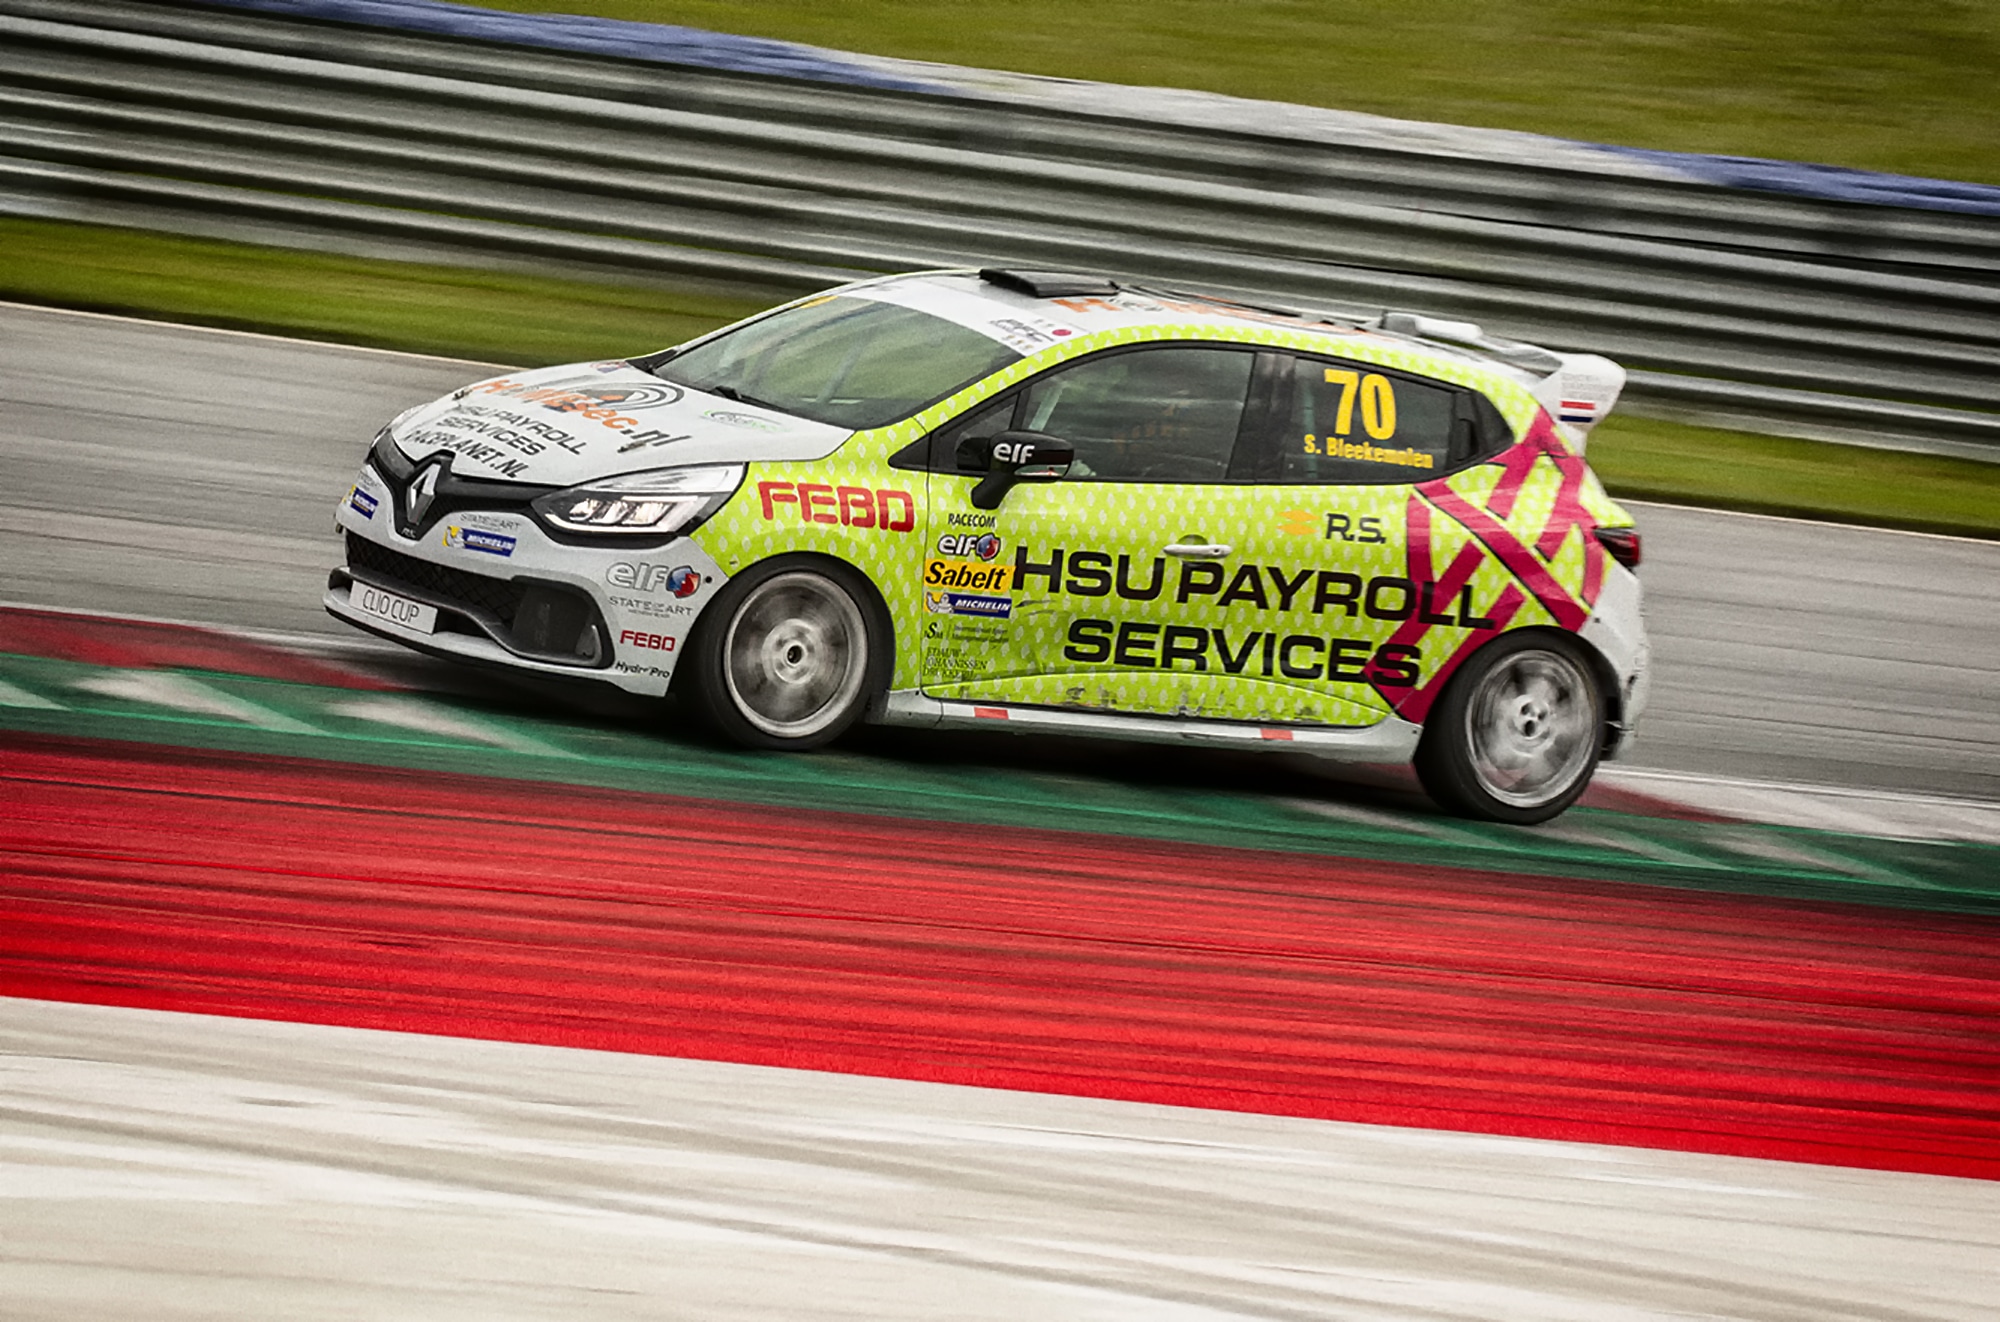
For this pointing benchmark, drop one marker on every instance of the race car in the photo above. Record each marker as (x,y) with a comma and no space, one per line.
(1041,501)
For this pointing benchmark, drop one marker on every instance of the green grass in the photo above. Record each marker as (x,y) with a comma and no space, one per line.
(487,316)
(530,320)
(1904,88)
(1649,459)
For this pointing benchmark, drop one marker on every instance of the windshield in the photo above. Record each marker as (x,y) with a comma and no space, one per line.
(849,362)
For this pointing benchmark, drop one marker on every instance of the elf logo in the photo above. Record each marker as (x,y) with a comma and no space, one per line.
(969,546)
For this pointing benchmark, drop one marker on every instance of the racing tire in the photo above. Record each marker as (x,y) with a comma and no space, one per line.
(1517,734)
(788,655)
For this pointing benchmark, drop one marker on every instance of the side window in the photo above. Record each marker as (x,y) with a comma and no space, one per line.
(1350,422)
(1168,414)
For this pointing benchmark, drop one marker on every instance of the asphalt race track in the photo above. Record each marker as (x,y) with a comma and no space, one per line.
(336,983)
(186,474)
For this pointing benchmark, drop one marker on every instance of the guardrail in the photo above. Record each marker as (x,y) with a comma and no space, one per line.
(1849,321)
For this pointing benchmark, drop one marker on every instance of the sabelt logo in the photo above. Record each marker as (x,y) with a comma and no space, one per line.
(967,576)
(969,546)
(850,507)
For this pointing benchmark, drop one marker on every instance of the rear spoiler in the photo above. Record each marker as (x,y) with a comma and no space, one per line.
(1579,389)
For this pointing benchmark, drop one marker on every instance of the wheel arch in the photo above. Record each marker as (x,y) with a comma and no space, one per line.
(873,603)
(1601,670)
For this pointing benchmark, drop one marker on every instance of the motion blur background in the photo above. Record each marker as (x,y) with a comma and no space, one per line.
(338,982)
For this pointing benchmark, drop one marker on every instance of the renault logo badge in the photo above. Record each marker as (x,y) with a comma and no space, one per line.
(423,490)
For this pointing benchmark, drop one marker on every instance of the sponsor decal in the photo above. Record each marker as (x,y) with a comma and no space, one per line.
(967,629)
(969,603)
(648,606)
(1128,302)
(490,435)
(976,630)
(487,433)
(959,519)
(482,519)
(1297,523)
(851,507)
(1303,656)
(680,580)
(592,399)
(1264,587)
(1335,447)
(950,661)
(361,502)
(1365,530)
(750,420)
(476,539)
(983,546)
(1026,333)
(1021,453)
(657,642)
(966,575)
(626,667)
(647,439)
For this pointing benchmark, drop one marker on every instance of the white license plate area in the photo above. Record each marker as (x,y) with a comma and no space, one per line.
(373,601)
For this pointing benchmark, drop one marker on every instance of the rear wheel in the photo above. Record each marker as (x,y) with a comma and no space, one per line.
(785,656)
(1516,736)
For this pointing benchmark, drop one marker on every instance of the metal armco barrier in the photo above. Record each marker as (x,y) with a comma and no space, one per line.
(1849,321)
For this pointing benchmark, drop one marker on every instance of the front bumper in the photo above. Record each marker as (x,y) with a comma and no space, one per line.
(508,595)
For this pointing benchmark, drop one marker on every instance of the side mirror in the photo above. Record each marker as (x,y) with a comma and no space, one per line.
(1011,457)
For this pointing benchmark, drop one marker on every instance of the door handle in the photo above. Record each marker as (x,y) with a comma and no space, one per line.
(1198,550)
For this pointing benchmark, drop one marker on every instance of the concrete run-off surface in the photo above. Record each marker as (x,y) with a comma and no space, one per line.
(171,1167)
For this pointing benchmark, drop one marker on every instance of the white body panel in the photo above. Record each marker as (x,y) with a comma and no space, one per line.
(1617,629)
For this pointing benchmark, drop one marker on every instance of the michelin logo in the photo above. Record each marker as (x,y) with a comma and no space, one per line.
(967,603)
(472,539)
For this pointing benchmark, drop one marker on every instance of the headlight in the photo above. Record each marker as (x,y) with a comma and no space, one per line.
(389,460)
(658,503)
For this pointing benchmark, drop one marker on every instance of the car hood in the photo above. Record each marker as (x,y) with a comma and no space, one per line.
(558,426)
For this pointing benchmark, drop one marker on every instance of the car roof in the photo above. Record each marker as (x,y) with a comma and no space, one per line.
(1058,304)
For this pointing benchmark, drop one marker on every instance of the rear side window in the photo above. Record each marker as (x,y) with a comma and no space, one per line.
(1351,422)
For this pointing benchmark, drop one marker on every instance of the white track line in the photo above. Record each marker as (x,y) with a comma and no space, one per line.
(163,688)
(424,718)
(14,696)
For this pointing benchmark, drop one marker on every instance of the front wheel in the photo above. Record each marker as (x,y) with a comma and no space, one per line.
(1516,736)
(785,656)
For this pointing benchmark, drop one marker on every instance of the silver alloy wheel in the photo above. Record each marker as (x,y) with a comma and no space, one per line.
(1531,727)
(796,655)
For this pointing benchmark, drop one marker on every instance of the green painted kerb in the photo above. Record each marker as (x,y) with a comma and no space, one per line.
(934,778)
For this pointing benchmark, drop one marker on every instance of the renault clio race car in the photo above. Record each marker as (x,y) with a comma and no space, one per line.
(1042,502)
